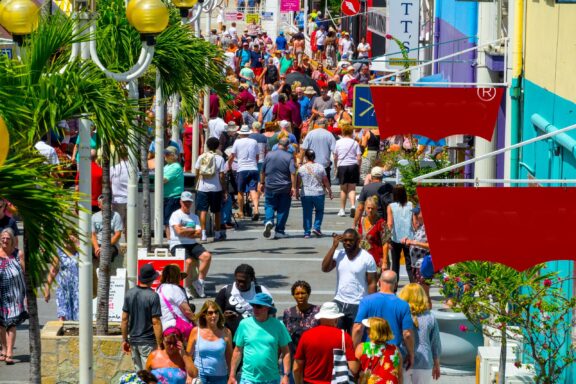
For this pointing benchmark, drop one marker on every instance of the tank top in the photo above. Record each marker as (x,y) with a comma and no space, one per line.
(209,357)
(373,143)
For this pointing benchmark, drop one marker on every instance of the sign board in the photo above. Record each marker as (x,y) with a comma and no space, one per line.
(350,7)
(239,16)
(250,17)
(284,17)
(161,258)
(289,5)
(364,114)
(230,16)
(115,298)
(267,16)
(6,51)
(403,24)
(377,21)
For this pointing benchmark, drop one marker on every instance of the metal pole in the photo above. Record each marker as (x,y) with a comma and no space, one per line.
(85,232)
(132,205)
(159,166)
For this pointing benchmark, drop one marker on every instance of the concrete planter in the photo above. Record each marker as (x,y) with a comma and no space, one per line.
(459,349)
(60,356)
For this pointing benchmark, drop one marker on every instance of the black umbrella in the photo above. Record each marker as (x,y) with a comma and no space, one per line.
(304,80)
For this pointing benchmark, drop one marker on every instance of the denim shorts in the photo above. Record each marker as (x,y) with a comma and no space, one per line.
(247,181)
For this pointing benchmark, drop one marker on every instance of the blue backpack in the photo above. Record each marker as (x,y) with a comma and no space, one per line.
(427,267)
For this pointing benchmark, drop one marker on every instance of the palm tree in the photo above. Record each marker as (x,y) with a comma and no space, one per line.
(35,93)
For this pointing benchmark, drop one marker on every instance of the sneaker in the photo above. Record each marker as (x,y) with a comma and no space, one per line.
(352,212)
(306,235)
(256,217)
(199,288)
(218,236)
(317,232)
(268,229)
(190,292)
(204,237)
(279,235)
(341,212)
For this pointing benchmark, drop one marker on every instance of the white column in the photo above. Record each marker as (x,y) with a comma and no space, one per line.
(132,205)
(207,89)
(196,122)
(487,31)
(159,166)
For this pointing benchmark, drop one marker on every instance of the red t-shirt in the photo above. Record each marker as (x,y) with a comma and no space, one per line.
(315,350)
(96,173)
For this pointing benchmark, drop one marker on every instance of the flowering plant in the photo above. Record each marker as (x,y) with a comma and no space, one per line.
(406,62)
(528,306)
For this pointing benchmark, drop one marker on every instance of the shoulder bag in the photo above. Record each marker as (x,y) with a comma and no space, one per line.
(340,372)
(182,325)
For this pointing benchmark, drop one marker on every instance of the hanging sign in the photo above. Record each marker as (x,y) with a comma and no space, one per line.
(289,5)
(230,16)
(250,17)
(516,226)
(350,7)
(4,141)
(364,114)
(403,24)
(267,16)
(436,112)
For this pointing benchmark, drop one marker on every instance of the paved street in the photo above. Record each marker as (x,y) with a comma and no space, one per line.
(278,263)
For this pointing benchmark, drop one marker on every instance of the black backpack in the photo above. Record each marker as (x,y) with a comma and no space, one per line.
(385,197)
(228,291)
(271,74)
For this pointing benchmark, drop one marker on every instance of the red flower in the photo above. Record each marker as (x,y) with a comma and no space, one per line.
(547,282)
(517,364)
(446,279)
(389,37)
(458,279)
(463,328)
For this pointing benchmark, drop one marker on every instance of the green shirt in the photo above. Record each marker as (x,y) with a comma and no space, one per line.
(175,176)
(260,342)
(285,64)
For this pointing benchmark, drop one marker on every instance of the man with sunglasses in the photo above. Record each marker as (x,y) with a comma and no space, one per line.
(355,274)
(258,340)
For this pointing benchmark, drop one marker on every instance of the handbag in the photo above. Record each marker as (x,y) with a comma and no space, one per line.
(182,325)
(340,372)
(197,379)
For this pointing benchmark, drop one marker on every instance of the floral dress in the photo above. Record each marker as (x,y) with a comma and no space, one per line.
(379,364)
(297,323)
(67,292)
(12,291)
(170,375)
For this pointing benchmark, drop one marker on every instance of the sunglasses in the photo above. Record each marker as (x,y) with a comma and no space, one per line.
(257,306)
(210,313)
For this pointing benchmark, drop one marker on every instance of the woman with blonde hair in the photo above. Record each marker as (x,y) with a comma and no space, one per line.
(427,346)
(265,115)
(373,228)
(211,345)
(380,362)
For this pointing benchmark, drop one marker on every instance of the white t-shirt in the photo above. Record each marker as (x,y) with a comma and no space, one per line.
(351,281)
(246,151)
(216,127)
(176,296)
(363,47)
(179,217)
(347,151)
(211,184)
(240,299)
(119,182)
(346,44)
(229,60)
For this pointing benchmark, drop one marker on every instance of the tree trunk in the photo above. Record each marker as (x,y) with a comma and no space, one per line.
(503,351)
(105,248)
(34,322)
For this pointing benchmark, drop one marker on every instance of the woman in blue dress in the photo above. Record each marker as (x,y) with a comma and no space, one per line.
(65,271)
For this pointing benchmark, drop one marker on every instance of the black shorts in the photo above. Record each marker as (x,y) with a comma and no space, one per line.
(193,251)
(349,174)
(171,204)
(209,200)
(320,48)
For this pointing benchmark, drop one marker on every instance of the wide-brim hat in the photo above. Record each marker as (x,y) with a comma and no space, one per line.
(264,300)
(232,127)
(245,130)
(309,90)
(147,274)
(328,310)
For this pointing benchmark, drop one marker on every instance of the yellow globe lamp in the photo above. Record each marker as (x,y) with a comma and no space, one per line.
(149,17)
(4,141)
(19,17)
(185,6)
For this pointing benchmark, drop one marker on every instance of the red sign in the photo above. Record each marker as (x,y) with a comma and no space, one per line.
(159,263)
(350,7)
(436,112)
(239,16)
(519,227)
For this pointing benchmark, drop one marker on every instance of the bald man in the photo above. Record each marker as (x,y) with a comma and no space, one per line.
(395,311)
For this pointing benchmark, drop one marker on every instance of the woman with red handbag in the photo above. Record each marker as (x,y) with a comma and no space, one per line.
(176,311)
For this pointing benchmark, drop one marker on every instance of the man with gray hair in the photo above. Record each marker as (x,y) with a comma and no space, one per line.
(278,183)
(395,311)
(322,143)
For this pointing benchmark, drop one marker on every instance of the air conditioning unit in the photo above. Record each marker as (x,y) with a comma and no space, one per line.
(488,361)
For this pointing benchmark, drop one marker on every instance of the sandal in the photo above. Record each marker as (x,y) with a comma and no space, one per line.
(2,357)
(9,360)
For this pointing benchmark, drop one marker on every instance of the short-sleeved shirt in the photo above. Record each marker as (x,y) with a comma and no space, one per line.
(115,224)
(262,144)
(260,342)
(175,175)
(347,151)
(281,43)
(211,184)
(312,175)
(278,166)
(141,304)
(246,151)
(392,309)
(321,105)
(185,220)
(315,349)
(375,189)
(175,295)
(351,280)
(322,143)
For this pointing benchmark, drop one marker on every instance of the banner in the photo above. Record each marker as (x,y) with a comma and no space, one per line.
(403,24)
(364,115)
(289,5)
(436,112)
(516,226)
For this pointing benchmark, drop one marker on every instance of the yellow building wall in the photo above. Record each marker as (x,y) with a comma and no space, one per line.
(550,51)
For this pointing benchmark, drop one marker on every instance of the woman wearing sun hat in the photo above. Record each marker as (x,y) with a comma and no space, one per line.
(258,339)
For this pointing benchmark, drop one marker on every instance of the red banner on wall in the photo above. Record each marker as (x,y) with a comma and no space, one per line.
(519,227)
(436,112)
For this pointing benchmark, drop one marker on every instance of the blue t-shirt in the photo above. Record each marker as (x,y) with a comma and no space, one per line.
(281,43)
(260,342)
(392,309)
(255,59)
(304,106)
(244,55)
